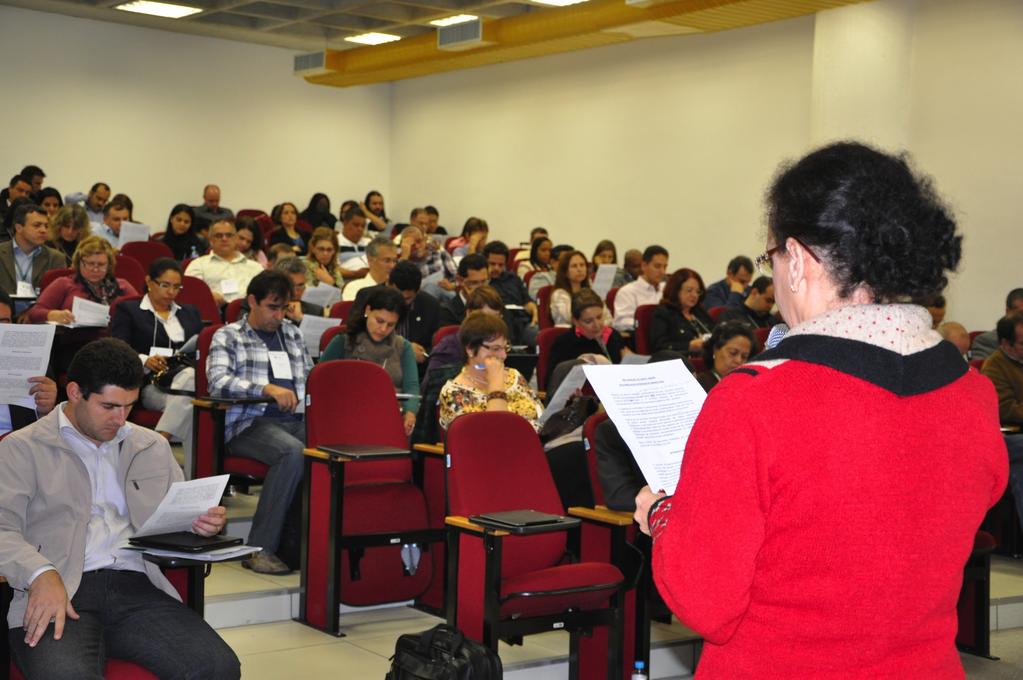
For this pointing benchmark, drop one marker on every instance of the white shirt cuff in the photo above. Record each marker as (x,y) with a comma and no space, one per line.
(40,570)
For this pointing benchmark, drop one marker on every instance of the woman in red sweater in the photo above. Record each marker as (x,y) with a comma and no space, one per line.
(823,533)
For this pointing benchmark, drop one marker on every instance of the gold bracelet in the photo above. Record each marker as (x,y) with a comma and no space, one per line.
(497,394)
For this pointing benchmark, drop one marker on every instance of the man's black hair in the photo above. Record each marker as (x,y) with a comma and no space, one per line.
(270,283)
(473,262)
(105,362)
(430,210)
(740,262)
(653,251)
(406,276)
(1006,328)
(23,211)
(97,185)
(1014,295)
(32,171)
(496,248)
(19,178)
(761,283)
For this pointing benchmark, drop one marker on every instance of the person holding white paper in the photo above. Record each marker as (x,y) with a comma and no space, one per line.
(25,258)
(225,270)
(831,490)
(84,460)
(92,279)
(42,389)
(157,328)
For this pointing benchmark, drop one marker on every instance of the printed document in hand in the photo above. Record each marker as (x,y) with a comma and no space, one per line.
(89,313)
(322,295)
(654,407)
(572,382)
(24,354)
(184,502)
(313,328)
(132,232)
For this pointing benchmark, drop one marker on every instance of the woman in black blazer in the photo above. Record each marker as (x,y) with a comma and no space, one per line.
(157,327)
(680,323)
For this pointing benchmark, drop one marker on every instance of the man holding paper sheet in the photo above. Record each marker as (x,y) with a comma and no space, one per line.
(74,487)
(41,389)
(114,213)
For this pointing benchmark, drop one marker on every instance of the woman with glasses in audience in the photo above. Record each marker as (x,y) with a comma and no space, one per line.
(484,383)
(249,239)
(679,322)
(573,275)
(321,264)
(69,227)
(831,490)
(729,346)
(92,279)
(49,200)
(371,337)
(287,231)
(157,328)
(181,235)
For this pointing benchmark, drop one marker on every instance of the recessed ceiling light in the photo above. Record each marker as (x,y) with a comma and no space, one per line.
(159,9)
(373,38)
(451,21)
(559,3)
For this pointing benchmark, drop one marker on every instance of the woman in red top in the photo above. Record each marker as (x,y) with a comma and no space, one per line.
(822,533)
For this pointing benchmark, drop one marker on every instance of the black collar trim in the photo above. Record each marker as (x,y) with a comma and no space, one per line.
(903,375)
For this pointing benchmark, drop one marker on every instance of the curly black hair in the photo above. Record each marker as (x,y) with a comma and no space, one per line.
(104,362)
(870,219)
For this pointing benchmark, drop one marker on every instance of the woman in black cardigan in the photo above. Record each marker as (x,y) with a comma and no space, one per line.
(157,327)
(679,322)
(589,334)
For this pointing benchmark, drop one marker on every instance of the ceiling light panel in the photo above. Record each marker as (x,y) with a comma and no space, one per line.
(159,9)
(373,38)
(559,3)
(451,21)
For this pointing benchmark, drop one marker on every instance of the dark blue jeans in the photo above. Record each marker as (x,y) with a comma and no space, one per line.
(278,442)
(124,616)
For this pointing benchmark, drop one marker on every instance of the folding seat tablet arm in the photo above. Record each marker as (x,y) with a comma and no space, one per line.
(505,586)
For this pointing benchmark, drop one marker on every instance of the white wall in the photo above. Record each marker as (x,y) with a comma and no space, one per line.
(671,140)
(667,141)
(157,115)
(674,140)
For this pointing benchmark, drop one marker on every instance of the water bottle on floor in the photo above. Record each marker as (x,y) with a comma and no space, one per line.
(639,671)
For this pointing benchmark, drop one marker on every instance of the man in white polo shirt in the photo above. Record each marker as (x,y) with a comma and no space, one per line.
(226,271)
(382,255)
(646,290)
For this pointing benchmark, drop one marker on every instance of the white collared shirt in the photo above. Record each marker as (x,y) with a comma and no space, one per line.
(105,232)
(215,270)
(109,528)
(630,296)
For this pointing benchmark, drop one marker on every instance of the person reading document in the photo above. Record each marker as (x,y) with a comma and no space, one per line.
(831,490)
(74,487)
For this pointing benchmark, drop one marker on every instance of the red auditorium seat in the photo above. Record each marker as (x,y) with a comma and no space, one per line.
(544,340)
(644,316)
(144,252)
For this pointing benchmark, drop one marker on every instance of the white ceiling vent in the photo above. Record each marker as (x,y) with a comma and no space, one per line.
(310,64)
(464,36)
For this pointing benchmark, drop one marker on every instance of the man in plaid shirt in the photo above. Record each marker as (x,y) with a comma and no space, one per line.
(262,355)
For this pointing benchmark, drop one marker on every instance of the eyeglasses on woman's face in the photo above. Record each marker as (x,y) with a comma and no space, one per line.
(764,263)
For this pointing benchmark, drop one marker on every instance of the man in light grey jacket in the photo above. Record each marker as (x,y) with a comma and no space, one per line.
(74,487)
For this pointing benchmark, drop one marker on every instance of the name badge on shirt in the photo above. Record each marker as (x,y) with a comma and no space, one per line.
(25,289)
(161,352)
(229,286)
(281,365)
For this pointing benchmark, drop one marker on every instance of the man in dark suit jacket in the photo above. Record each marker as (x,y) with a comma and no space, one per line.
(472,273)
(422,314)
(26,258)
(44,389)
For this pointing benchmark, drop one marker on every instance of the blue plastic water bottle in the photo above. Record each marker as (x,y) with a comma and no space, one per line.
(639,671)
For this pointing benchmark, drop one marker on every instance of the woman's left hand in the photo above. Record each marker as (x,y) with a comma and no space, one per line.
(410,423)
(644,499)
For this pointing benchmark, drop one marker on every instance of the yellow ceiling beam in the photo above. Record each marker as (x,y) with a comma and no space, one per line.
(590,24)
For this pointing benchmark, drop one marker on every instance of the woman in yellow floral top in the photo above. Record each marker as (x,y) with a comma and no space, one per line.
(484,384)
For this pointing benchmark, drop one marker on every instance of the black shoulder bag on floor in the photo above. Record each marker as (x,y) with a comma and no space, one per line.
(442,653)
